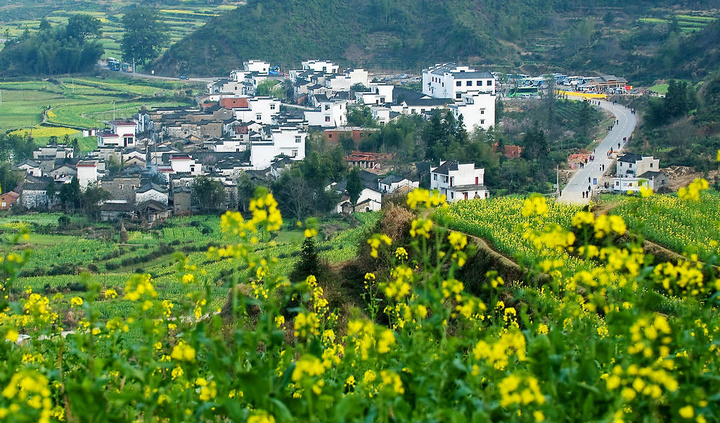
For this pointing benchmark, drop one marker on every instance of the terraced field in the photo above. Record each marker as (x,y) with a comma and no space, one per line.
(181,19)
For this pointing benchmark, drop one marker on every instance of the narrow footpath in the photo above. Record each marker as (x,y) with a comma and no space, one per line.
(587,178)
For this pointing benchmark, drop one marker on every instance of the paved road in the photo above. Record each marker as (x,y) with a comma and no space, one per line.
(572,192)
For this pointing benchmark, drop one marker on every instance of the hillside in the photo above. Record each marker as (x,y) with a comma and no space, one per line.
(604,35)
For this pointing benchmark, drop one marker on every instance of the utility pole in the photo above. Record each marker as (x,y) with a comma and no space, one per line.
(557,169)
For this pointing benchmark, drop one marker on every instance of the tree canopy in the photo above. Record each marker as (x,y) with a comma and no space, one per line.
(144,36)
(54,50)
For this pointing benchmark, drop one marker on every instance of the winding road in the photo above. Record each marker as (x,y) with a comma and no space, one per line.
(590,175)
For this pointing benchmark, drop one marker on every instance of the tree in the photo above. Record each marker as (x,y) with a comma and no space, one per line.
(354,186)
(70,195)
(209,194)
(91,199)
(144,35)
(9,179)
(309,263)
(82,27)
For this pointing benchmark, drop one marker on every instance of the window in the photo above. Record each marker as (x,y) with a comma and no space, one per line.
(329,136)
(458,96)
(478,83)
(327,118)
(458,83)
(327,107)
(452,195)
(298,139)
(258,116)
(435,176)
(294,153)
(482,112)
(482,121)
(272,106)
(468,83)
(651,164)
(630,165)
(489,82)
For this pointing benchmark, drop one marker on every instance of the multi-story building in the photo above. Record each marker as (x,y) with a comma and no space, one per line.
(451,81)
(459,181)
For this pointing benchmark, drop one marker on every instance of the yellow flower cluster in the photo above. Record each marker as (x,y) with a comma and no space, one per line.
(29,388)
(535,205)
(457,240)
(139,286)
(520,390)
(392,381)
(552,237)
(183,352)
(692,191)
(375,241)
(605,225)
(399,287)
(366,338)
(499,352)
(425,198)
(685,278)
(306,324)
(421,227)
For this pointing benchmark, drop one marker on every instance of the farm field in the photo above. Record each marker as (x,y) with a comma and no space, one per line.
(54,268)
(281,352)
(181,19)
(682,226)
(686,23)
(79,103)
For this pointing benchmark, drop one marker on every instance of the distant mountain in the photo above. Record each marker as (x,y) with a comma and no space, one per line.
(536,35)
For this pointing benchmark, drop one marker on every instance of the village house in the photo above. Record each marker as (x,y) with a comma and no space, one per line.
(635,171)
(392,183)
(349,78)
(372,162)
(8,199)
(31,167)
(357,134)
(52,152)
(328,113)
(459,181)
(320,66)
(86,172)
(452,81)
(379,94)
(275,141)
(477,111)
(150,191)
(120,134)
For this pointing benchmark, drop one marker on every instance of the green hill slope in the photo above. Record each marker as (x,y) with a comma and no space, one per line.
(606,35)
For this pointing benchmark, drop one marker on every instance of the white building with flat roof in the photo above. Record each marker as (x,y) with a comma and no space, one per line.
(320,66)
(477,110)
(285,140)
(459,181)
(452,81)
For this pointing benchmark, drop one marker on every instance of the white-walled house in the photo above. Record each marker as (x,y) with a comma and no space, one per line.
(391,183)
(477,110)
(379,94)
(320,66)
(369,200)
(452,81)
(32,168)
(120,134)
(635,171)
(182,163)
(260,109)
(150,191)
(87,173)
(328,114)
(459,181)
(258,66)
(345,81)
(288,141)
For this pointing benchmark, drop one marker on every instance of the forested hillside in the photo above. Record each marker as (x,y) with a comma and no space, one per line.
(607,35)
